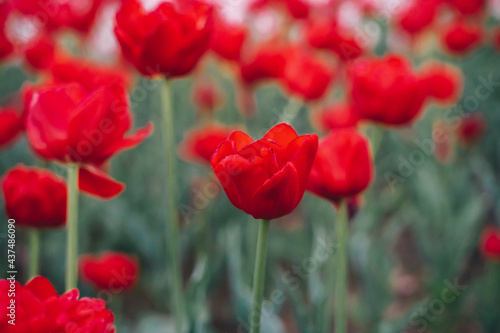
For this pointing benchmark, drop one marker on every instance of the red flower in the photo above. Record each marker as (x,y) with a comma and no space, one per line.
(11,125)
(490,243)
(39,309)
(34,197)
(40,52)
(343,166)
(325,33)
(468,7)
(112,271)
(296,8)
(6,47)
(386,90)
(67,124)
(200,144)
(334,117)
(164,41)
(265,61)
(461,37)
(443,83)
(265,178)
(418,16)
(207,97)
(228,39)
(306,75)
(471,129)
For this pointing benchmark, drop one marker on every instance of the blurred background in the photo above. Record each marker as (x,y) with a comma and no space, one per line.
(415,263)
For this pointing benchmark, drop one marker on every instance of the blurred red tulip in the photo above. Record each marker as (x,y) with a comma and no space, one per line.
(325,33)
(467,7)
(490,243)
(68,124)
(443,82)
(386,90)
(40,52)
(343,166)
(471,129)
(265,178)
(165,41)
(298,9)
(201,143)
(112,271)
(6,46)
(11,124)
(337,116)
(265,61)
(306,75)
(67,69)
(418,16)
(207,97)
(39,309)
(461,37)
(228,39)
(34,197)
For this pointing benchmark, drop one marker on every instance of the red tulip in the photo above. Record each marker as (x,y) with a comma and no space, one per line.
(6,46)
(39,309)
(265,61)
(418,16)
(34,197)
(490,243)
(265,178)
(334,117)
(343,166)
(165,41)
(305,75)
(443,83)
(207,97)
(386,90)
(228,39)
(40,52)
(200,144)
(112,271)
(298,9)
(325,33)
(11,125)
(67,124)
(468,7)
(471,129)
(461,37)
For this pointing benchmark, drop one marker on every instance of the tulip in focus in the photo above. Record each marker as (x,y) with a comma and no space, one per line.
(200,144)
(265,178)
(490,243)
(35,198)
(112,271)
(39,309)
(343,166)
(166,41)
(386,90)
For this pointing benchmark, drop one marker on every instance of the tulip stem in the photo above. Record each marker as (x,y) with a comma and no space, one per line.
(172,226)
(72,231)
(259,275)
(34,253)
(341,281)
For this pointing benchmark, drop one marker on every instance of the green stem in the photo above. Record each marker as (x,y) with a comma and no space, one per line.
(341,281)
(34,253)
(72,231)
(259,275)
(290,111)
(172,226)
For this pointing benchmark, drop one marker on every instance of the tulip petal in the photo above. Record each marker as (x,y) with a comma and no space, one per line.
(41,288)
(282,133)
(128,142)
(279,195)
(97,183)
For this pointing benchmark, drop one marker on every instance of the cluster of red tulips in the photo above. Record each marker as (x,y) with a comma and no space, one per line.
(77,114)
